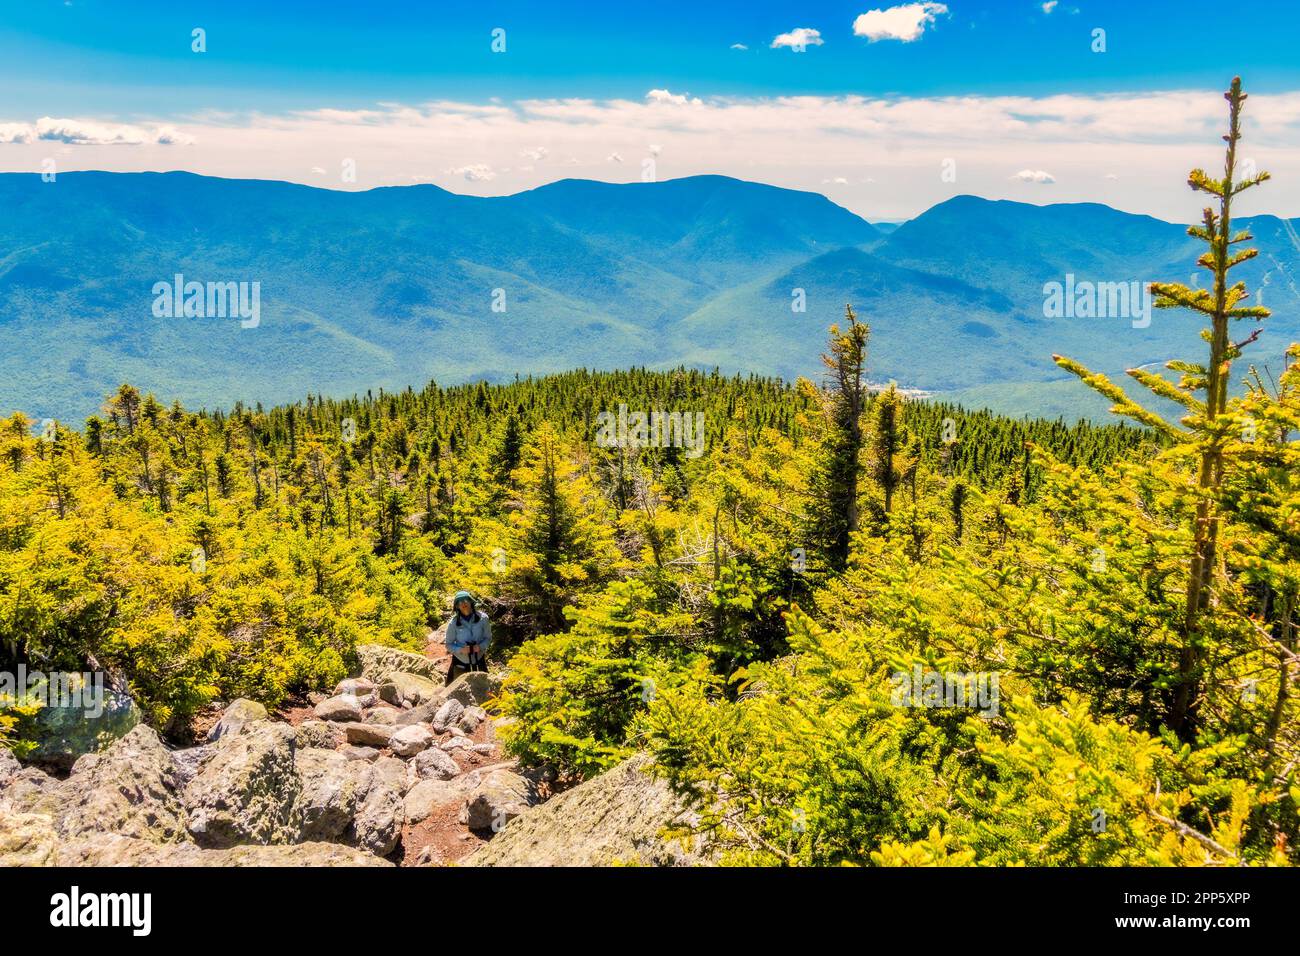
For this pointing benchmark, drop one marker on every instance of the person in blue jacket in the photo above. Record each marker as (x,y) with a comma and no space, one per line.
(469,633)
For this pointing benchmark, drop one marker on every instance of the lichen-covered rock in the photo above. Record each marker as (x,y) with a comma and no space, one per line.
(27,839)
(382,715)
(473,688)
(377,826)
(190,761)
(356,686)
(233,718)
(624,815)
(331,785)
(131,789)
(9,764)
(248,792)
(322,734)
(352,752)
(469,720)
(429,796)
(377,662)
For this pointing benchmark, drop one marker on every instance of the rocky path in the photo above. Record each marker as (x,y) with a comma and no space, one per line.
(391,768)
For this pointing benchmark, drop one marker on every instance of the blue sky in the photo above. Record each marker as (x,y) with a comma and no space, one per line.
(288,88)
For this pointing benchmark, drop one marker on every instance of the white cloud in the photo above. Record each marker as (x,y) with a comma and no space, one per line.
(78,132)
(836,181)
(1049,6)
(739,46)
(793,141)
(537,154)
(672,99)
(1034,176)
(798,39)
(318,170)
(905,23)
(476,173)
(655,149)
(1111,176)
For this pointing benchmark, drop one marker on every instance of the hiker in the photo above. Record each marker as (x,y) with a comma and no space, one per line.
(468,635)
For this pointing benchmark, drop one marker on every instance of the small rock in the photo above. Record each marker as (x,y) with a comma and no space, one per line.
(470,720)
(382,715)
(322,734)
(399,688)
(435,764)
(355,686)
(456,743)
(409,741)
(344,707)
(368,735)
(502,796)
(429,796)
(449,713)
(360,753)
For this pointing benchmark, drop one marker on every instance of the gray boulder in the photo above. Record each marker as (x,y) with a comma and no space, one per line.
(248,791)
(64,733)
(499,798)
(360,753)
(342,708)
(377,826)
(435,764)
(429,796)
(377,662)
(409,741)
(331,785)
(400,688)
(448,714)
(355,686)
(9,765)
(240,712)
(131,789)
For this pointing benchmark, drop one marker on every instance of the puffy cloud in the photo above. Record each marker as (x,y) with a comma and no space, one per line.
(906,22)
(476,173)
(798,39)
(1034,176)
(1049,6)
(78,132)
(672,99)
(536,154)
(739,46)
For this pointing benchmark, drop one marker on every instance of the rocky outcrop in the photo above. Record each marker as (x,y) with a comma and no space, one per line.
(131,789)
(377,662)
(621,816)
(248,792)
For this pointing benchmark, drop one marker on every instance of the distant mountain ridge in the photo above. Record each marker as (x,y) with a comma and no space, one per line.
(394,286)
